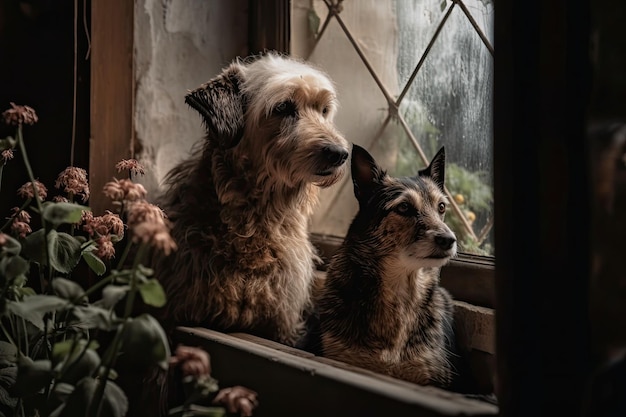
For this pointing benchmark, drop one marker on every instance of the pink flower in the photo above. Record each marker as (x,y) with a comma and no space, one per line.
(142,211)
(114,190)
(21,229)
(114,224)
(7,154)
(105,250)
(105,225)
(124,190)
(156,235)
(18,115)
(20,215)
(3,239)
(74,182)
(132,165)
(26,190)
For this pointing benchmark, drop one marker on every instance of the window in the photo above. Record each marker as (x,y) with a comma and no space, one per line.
(412,76)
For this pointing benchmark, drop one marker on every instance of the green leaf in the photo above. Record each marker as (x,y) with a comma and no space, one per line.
(34,247)
(152,293)
(33,308)
(61,393)
(314,22)
(8,354)
(114,401)
(13,270)
(62,350)
(145,271)
(7,143)
(8,375)
(67,289)
(80,366)
(11,246)
(32,376)
(92,316)
(112,294)
(13,267)
(94,263)
(144,344)
(63,213)
(64,251)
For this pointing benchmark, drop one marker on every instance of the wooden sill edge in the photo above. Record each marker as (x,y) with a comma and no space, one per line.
(229,350)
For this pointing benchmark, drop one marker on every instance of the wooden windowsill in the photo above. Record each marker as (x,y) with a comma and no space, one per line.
(293,382)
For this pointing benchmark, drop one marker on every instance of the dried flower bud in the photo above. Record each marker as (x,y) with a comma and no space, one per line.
(20,229)
(20,215)
(18,115)
(192,361)
(114,190)
(105,250)
(238,400)
(124,190)
(7,155)
(156,235)
(114,224)
(60,199)
(132,165)
(26,190)
(74,181)
(142,211)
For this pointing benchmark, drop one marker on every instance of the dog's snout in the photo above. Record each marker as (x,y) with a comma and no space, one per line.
(335,155)
(445,241)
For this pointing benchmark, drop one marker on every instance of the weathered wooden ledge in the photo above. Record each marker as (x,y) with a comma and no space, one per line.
(297,383)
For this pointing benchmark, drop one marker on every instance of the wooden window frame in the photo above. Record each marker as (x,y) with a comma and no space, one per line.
(542,198)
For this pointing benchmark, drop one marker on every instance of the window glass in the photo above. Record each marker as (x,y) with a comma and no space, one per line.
(412,76)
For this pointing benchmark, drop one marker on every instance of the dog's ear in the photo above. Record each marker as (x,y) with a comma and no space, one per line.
(221,105)
(436,169)
(366,174)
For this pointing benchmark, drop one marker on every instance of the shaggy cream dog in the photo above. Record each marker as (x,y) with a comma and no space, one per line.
(241,204)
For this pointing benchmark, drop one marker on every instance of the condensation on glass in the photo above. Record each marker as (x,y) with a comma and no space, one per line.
(412,76)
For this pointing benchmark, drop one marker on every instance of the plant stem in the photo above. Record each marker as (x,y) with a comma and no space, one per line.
(96,286)
(129,244)
(20,142)
(27,347)
(111,354)
(133,280)
(9,338)
(29,170)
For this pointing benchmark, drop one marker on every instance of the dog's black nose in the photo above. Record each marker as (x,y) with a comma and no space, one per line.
(335,155)
(445,241)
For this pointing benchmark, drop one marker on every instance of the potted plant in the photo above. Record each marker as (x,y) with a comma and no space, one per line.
(68,321)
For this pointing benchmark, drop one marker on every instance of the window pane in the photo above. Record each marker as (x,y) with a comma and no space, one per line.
(433,61)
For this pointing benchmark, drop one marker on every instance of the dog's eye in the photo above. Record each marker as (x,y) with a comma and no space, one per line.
(403,208)
(442,208)
(286,108)
(325,110)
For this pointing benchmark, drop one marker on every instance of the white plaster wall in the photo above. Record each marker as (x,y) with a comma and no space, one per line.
(362,105)
(179,44)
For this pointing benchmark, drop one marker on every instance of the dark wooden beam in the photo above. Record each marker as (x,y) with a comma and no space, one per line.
(269,26)
(542,205)
(112,92)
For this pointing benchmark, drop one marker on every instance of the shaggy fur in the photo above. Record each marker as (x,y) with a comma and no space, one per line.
(381,307)
(240,206)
